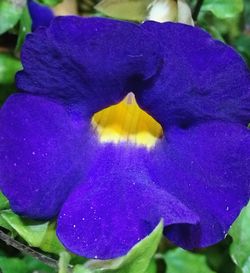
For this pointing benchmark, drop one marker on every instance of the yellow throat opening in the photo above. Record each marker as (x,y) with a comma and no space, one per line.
(126,122)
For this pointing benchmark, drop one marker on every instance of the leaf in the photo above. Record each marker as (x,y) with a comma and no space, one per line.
(242,44)
(10,265)
(5,225)
(132,10)
(152,268)
(138,259)
(24,28)
(25,265)
(5,91)
(36,266)
(50,2)
(226,29)
(214,32)
(240,248)
(223,8)
(81,269)
(179,260)
(218,257)
(36,234)
(9,65)
(4,203)
(10,13)
(247,11)
(50,242)
(32,232)
(8,68)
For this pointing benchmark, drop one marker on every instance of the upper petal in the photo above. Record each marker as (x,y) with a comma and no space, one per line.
(42,154)
(201,79)
(95,61)
(117,205)
(40,15)
(207,168)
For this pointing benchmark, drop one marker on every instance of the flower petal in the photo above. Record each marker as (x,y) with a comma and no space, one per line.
(207,168)
(40,15)
(117,206)
(201,79)
(42,154)
(94,61)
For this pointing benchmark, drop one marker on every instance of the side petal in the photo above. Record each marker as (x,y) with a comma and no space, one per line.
(41,16)
(201,79)
(42,154)
(95,61)
(207,168)
(117,206)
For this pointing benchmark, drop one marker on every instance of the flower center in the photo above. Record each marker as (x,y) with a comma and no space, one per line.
(126,122)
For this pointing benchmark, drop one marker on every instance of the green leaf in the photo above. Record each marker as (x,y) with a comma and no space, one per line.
(247,11)
(50,2)
(214,32)
(36,266)
(242,44)
(138,259)
(223,8)
(226,29)
(81,269)
(8,68)
(32,232)
(240,248)
(152,268)
(5,91)
(5,225)
(218,257)
(10,265)
(50,242)
(25,265)
(10,13)
(24,28)
(179,260)
(37,234)
(4,203)
(132,10)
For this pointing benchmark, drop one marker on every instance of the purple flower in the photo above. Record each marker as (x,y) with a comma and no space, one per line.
(40,15)
(111,175)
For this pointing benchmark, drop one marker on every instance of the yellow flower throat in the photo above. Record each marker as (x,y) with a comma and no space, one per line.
(126,122)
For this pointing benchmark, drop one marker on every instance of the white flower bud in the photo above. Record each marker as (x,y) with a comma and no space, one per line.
(170,11)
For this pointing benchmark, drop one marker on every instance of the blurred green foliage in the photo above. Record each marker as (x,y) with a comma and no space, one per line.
(24,28)
(49,2)
(9,65)
(223,8)
(22,265)
(179,260)
(10,13)
(240,248)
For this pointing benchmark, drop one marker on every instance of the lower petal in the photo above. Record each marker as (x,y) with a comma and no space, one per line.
(117,206)
(42,154)
(207,168)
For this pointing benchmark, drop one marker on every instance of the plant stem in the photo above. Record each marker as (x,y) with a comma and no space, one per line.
(29,251)
(197,9)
